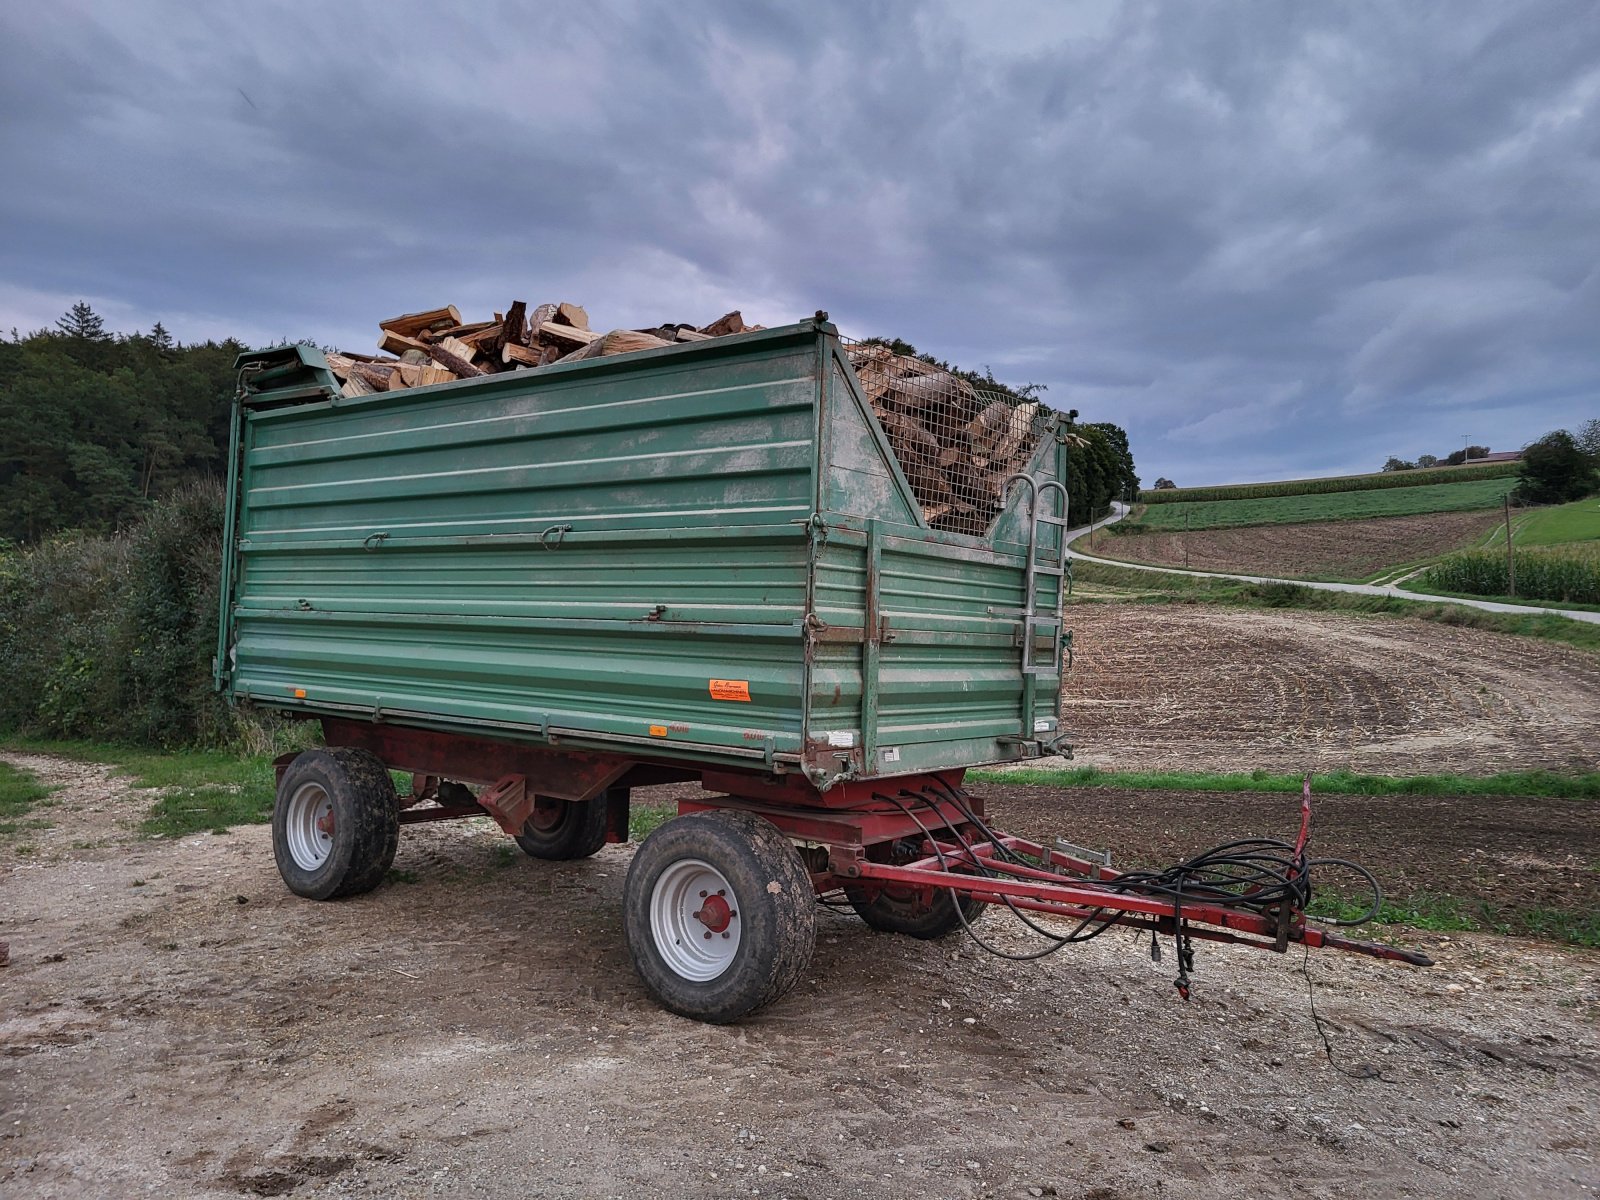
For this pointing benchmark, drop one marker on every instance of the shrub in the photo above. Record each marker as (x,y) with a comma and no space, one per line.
(111,637)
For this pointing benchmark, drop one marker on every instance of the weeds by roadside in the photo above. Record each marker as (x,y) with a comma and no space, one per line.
(1441,913)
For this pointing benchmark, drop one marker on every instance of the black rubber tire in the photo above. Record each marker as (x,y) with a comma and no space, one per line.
(891,909)
(366,823)
(771,891)
(577,829)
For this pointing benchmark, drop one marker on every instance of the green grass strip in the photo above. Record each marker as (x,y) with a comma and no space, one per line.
(1380,481)
(19,792)
(1546,784)
(202,789)
(1443,913)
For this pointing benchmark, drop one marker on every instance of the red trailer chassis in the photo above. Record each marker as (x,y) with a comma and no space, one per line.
(916,836)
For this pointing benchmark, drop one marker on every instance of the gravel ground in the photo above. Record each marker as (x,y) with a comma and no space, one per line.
(174,1023)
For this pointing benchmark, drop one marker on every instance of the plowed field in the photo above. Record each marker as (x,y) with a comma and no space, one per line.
(1173,687)
(1341,550)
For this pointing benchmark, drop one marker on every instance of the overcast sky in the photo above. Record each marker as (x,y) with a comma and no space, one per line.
(1269,239)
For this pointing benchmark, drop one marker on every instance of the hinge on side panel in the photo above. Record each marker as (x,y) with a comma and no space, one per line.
(815,526)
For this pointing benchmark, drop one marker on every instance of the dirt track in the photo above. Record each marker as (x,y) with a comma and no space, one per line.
(175,1023)
(1206,688)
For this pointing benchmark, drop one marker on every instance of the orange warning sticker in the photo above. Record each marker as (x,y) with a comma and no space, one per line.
(730,689)
(658,731)
(299,693)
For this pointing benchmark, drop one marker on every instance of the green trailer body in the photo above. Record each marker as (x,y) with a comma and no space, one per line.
(705,554)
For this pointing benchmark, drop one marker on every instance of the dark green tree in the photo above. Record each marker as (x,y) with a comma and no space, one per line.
(1554,470)
(81,321)
(92,428)
(1588,438)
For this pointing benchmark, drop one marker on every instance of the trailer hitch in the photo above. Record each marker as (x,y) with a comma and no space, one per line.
(1252,892)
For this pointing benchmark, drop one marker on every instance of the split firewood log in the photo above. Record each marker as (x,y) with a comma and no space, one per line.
(528,356)
(411,324)
(910,439)
(458,331)
(456,356)
(1018,436)
(398,343)
(618,341)
(374,375)
(566,335)
(570,314)
(987,428)
(729,323)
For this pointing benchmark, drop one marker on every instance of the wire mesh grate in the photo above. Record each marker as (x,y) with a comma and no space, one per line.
(957,442)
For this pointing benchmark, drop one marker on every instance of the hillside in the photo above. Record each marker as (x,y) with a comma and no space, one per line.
(1355,528)
(1462,496)
(1377,481)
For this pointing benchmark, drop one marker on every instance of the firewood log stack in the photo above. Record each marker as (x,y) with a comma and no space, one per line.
(956,443)
(437,346)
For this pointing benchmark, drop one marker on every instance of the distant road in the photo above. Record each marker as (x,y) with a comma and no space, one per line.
(1120,510)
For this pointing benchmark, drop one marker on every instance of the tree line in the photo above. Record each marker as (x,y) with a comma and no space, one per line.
(94,426)
(1562,465)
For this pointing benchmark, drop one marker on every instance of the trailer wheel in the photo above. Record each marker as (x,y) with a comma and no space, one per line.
(902,908)
(563,829)
(336,824)
(719,914)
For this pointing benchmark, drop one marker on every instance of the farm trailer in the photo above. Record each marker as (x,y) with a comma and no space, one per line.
(702,563)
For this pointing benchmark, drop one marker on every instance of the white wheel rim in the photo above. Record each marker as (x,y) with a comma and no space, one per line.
(308,826)
(695,920)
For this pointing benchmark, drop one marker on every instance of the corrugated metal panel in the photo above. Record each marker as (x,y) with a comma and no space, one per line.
(397,554)
(579,552)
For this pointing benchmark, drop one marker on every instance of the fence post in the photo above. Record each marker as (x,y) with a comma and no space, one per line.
(1511,559)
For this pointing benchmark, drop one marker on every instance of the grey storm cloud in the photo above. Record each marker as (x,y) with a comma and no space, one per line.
(1268,239)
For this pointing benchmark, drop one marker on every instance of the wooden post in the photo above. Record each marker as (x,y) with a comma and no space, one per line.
(1511,559)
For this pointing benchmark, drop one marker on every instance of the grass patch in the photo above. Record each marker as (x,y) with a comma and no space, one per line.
(1557,525)
(1548,784)
(1421,910)
(1323,506)
(204,789)
(1442,913)
(645,819)
(19,792)
(1150,588)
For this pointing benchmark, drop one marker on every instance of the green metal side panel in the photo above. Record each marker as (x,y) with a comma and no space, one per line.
(570,552)
(936,680)
(574,555)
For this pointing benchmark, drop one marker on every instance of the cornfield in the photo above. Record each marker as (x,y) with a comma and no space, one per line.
(1344,483)
(1541,575)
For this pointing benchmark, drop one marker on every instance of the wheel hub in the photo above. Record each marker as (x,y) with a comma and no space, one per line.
(695,928)
(309,826)
(715,914)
